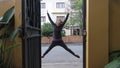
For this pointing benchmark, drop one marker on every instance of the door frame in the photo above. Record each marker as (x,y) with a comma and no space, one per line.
(84,33)
(23,30)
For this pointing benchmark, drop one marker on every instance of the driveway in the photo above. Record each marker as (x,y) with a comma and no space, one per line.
(60,58)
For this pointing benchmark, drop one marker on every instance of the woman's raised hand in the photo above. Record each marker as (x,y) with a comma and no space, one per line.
(47,11)
(68,12)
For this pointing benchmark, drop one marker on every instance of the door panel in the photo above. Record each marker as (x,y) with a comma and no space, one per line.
(31,33)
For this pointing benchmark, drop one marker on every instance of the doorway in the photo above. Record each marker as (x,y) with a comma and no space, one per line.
(31,10)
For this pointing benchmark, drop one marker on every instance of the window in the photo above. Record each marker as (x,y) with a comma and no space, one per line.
(60,5)
(43,5)
(61,17)
(43,19)
(76,31)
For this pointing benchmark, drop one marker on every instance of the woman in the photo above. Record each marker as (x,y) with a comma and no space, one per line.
(57,37)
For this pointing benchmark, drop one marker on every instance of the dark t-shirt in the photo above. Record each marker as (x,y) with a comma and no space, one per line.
(57,29)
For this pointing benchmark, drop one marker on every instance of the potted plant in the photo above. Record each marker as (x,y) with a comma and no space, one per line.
(114,57)
(7,33)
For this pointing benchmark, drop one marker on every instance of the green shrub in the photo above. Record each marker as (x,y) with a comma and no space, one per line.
(46,30)
(114,57)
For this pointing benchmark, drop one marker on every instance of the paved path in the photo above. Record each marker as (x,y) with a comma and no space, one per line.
(60,58)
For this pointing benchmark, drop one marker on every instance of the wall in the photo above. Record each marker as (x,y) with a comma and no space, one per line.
(114,25)
(4,5)
(18,50)
(97,33)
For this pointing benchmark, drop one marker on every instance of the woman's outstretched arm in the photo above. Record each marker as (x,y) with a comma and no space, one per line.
(66,18)
(50,19)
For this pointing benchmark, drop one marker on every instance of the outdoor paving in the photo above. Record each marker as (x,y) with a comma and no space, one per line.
(60,58)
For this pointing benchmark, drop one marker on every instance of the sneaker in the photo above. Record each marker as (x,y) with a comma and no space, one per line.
(42,56)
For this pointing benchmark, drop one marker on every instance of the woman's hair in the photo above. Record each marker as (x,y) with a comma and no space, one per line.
(60,20)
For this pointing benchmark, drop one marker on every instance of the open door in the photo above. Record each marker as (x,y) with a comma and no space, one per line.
(31,33)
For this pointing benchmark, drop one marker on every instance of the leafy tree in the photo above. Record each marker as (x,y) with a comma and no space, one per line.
(77,4)
(77,16)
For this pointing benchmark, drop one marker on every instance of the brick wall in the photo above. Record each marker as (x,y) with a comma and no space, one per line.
(67,39)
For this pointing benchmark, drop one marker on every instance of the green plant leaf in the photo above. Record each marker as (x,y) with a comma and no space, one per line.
(1,26)
(114,64)
(12,46)
(5,35)
(0,45)
(9,25)
(14,34)
(5,50)
(114,55)
(8,18)
(8,59)
(8,15)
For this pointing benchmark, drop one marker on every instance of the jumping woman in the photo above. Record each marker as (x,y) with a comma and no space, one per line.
(57,37)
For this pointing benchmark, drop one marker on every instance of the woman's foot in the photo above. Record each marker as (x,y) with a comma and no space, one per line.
(77,56)
(42,56)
